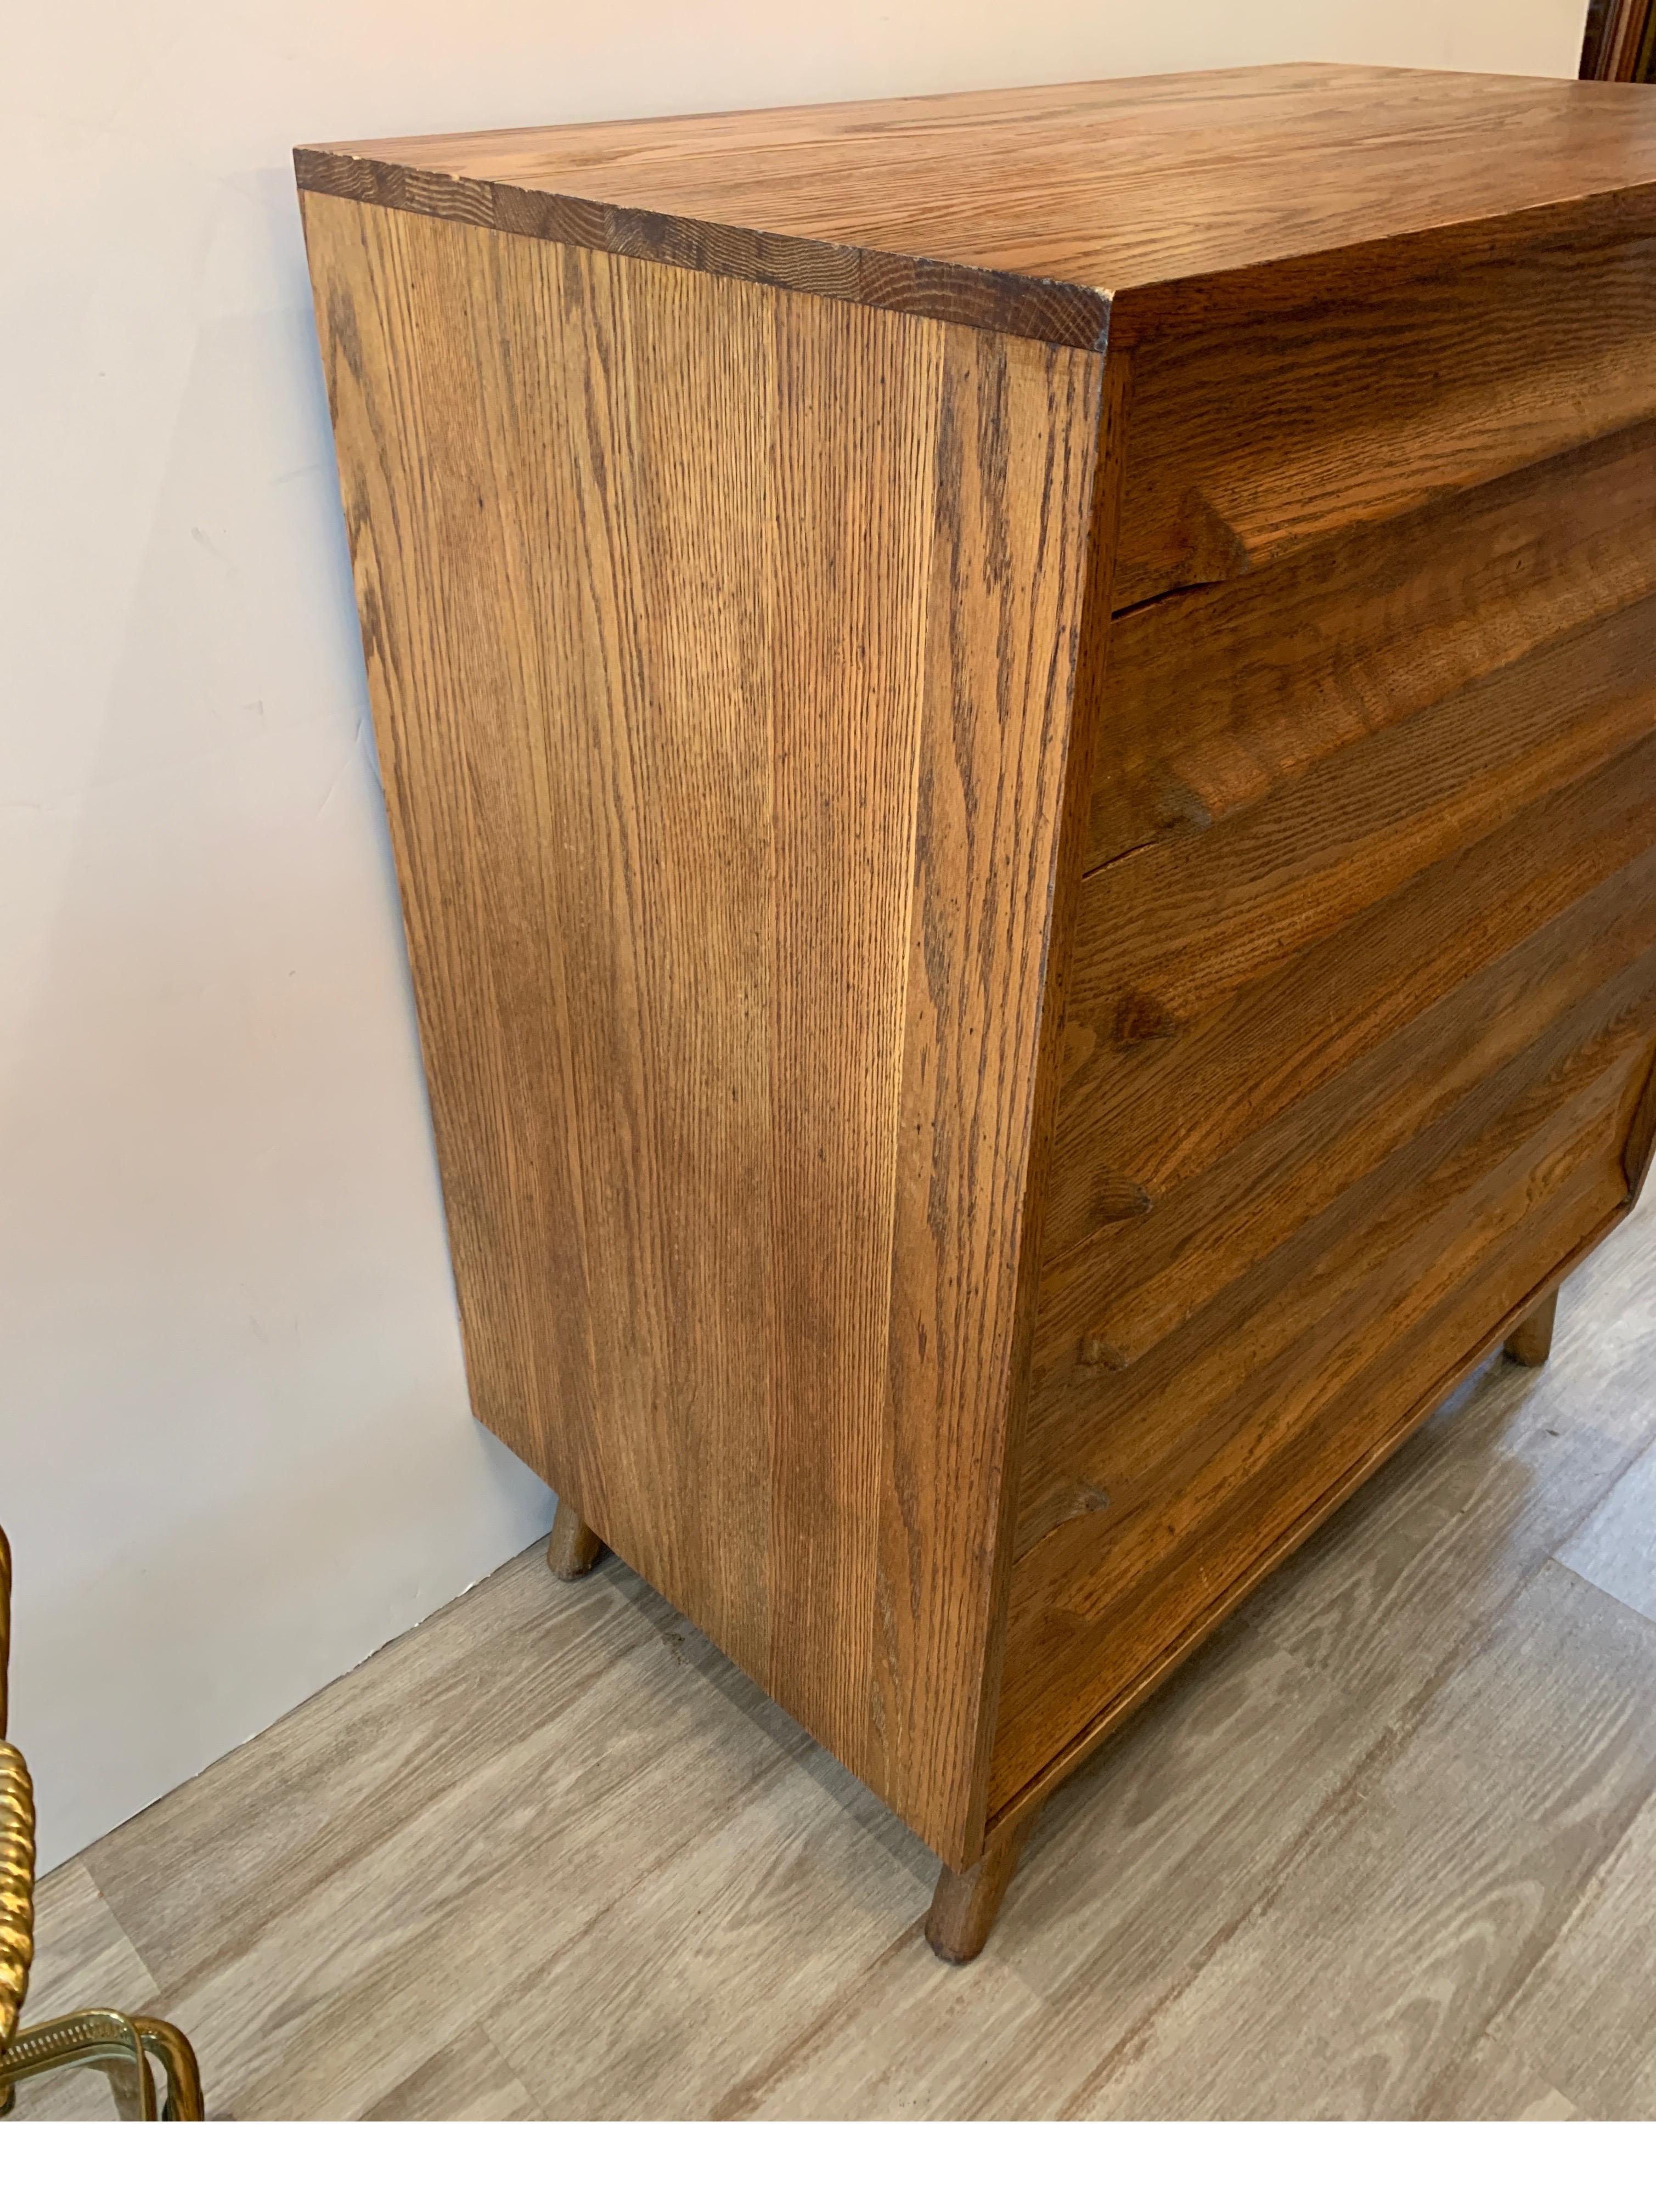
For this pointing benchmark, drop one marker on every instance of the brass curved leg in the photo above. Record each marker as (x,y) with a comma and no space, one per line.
(172,2048)
(108,2041)
(118,2046)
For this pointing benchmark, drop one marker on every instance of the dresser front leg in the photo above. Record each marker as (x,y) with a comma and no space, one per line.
(963,1905)
(1531,1341)
(574,1548)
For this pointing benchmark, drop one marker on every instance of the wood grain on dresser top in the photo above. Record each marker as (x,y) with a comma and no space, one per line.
(1032,211)
(969,1124)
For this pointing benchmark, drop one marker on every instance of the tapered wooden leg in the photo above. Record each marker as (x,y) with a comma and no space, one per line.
(963,1905)
(574,1548)
(1531,1341)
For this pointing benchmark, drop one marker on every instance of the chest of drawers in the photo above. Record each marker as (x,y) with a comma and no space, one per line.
(1021,735)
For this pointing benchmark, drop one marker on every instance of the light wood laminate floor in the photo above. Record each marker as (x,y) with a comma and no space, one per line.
(1387,1848)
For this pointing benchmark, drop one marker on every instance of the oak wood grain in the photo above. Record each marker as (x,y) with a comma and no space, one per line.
(1220,696)
(1092,664)
(1299,1326)
(1261,1052)
(706,623)
(964,1905)
(1101,1602)
(1547,1101)
(1185,1626)
(1143,1274)
(1171,931)
(1155,201)
(1368,408)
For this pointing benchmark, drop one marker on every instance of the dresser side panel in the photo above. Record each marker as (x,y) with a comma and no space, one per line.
(721,642)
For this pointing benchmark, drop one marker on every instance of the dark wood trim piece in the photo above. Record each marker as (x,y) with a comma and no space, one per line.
(1641,1138)
(1619,43)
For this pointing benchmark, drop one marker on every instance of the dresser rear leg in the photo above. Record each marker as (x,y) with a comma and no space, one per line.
(1531,1341)
(574,1548)
(963,1905)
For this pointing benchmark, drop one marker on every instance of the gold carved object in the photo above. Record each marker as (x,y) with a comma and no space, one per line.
(121,2046)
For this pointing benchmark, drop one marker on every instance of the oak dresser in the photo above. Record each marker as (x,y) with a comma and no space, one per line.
(1021,735)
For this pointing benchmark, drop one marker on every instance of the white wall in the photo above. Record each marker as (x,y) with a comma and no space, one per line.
(235,1449)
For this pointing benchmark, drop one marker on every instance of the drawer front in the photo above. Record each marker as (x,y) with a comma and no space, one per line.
(1112,1412)
(1189,1476)
(1283,969)
(1218,698)
(1314,1108)
(1361,1006)
(1248,444)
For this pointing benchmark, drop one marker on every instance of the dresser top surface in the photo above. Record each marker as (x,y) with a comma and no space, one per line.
(1113,187)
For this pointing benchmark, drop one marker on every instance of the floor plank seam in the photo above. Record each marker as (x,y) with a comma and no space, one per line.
(1127,2048)
(1582,1518)
(163,1986)
(1583,1898)
(737,2101)
(1386,1747)
(1497,2035)
(511,2071)
(1606,1597)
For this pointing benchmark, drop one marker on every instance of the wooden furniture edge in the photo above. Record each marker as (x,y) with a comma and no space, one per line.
(966,1903)
(1108,480)
(1640,1147)
(1040,308)
(1063,1764)
(1052,310)
(573,1546)
(1529,1344)
(1261,290)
